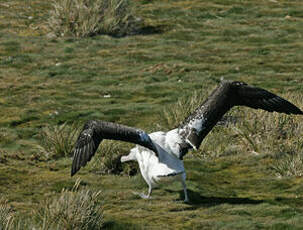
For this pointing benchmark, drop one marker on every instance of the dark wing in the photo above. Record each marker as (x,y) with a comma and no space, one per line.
(94,132)
(228,94)
(258,98)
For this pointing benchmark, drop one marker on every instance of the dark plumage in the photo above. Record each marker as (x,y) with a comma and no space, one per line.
(94,132)
(222,99)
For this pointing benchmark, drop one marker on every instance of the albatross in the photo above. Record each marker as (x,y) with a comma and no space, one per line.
(160,154)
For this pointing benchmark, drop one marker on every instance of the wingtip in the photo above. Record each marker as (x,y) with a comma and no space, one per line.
(296,111)
(73,171)
(75,168)
(300,112)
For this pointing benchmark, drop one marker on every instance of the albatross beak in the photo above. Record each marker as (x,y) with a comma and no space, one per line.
(124,159)
(130,157)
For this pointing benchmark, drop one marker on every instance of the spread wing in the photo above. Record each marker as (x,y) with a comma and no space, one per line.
(94,132)
(228,94)
(258,98)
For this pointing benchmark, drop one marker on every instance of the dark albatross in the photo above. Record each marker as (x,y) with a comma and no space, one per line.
(160,154)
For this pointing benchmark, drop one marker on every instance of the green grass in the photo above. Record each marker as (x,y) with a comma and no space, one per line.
(189,46)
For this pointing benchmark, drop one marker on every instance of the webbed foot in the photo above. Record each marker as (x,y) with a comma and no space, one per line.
(186,200)
(142,195)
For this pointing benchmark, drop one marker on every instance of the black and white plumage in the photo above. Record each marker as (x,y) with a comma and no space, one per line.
(223,98)
(160,154)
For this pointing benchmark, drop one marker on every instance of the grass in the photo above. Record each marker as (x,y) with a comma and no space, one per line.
(85,18)
(76,209)
(188,46)
(58,141)
(6,215)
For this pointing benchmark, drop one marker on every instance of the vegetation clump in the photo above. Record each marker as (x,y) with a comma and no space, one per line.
(288,165)
(85,18)
(6,215)
(75,209)
(58,141)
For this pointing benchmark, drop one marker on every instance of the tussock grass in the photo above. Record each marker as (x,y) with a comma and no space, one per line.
(6,215)
(288,165)
(58,141)
(84,18)
(75,209)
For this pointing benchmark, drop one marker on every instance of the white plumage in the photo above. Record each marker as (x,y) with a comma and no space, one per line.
(167,167)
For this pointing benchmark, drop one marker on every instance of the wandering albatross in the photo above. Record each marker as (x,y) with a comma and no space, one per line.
(160,154)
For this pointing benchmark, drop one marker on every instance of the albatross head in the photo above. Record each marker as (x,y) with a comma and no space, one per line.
(130,157)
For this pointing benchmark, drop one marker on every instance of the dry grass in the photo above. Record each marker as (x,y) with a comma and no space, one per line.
(85,18)
(76,209)
(6,215)
(58,141)
(289,165)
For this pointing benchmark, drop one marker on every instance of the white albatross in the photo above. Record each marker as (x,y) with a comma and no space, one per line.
(160,154)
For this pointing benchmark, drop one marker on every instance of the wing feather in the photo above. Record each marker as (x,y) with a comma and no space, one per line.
(228,94)
(258,98)
(94,132)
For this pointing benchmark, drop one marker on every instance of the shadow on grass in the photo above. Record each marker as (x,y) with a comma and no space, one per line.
(145,30)
(119,225)
(196,200)
(293,202)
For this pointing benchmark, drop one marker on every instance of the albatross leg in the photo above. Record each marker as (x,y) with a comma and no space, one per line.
(142,195)
(149,193)
(186,200)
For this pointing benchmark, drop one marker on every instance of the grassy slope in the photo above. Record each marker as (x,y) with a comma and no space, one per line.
(50,81)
